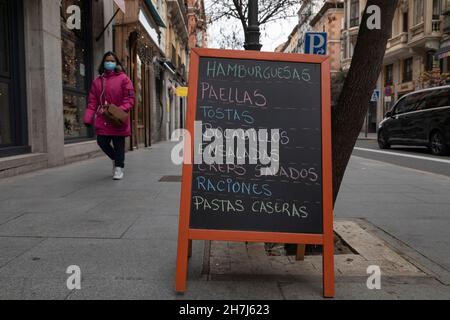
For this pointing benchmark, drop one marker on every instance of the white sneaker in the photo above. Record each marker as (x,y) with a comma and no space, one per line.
(118,173)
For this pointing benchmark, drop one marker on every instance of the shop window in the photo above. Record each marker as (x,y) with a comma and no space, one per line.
(13,128)
(76,65)
(5,121)
(4,38)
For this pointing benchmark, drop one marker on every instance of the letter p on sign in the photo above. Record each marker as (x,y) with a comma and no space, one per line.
(316,43)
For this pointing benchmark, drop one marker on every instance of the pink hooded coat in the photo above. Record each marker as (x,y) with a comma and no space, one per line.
(119,91)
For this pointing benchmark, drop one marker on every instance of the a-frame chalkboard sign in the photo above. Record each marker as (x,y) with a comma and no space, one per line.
(249,93)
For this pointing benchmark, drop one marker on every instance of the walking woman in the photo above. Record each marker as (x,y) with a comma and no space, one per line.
(112,86)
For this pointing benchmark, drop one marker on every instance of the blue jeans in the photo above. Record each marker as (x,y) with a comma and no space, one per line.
(116,151)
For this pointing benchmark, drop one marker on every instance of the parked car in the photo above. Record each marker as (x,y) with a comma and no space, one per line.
(421,118)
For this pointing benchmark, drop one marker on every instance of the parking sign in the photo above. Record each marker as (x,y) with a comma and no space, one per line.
(316,43)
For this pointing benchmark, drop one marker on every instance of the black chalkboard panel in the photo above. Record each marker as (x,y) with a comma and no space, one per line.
(258,94)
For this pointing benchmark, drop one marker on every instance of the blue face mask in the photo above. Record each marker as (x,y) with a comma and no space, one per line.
(110,66)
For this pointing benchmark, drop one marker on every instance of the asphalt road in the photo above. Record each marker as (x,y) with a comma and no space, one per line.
(409,157)
(410,205)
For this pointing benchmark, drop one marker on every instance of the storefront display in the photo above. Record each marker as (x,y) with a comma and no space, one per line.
(75,47)
(12,106)
(5,124)
(5,76)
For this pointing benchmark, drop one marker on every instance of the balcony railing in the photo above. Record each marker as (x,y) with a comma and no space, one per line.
(416,30)
(181,6)
(436,26)
(177,9)
(398,39)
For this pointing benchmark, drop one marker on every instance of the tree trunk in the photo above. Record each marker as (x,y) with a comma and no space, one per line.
(349,113)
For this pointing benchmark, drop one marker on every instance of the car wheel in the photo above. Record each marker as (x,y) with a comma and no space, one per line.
(383,141)
(438,146)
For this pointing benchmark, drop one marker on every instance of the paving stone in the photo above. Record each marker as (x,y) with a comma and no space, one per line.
(8,216)
(24,288)
(79,225)
(11,248)
(123,235)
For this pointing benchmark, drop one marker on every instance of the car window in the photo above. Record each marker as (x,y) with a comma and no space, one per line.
(399,107)
(408,104)
(416,101)
(422,105)
(438,98)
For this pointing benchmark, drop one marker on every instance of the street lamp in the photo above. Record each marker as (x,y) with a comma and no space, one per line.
(252,34)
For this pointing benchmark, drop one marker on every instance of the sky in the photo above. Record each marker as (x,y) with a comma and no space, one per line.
(275,33)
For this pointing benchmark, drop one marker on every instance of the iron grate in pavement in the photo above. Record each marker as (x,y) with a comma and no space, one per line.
(170,179)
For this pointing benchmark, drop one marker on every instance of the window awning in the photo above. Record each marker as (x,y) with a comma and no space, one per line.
(442,53)
(154,13)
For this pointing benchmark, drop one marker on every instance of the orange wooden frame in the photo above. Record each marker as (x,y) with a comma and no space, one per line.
(186,235)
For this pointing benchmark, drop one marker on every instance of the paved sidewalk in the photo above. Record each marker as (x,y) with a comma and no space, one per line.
(123,236)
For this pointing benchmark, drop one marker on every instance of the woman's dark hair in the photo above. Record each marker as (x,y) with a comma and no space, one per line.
(101,68)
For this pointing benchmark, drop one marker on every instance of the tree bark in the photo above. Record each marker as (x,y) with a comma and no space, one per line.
(349,113)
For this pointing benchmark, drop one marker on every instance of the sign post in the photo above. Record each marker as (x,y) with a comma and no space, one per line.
(283,100)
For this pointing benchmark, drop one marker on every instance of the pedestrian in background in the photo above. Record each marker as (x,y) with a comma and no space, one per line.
(112,86)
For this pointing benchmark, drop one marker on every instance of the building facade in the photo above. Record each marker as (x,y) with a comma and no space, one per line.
(329,20)
(296,39)
(353,10)
(49,51)
(151,38)
(291,45)
(176,65)
(140,44)
(417,54)
(49,54)
(306,13)
(197,24)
